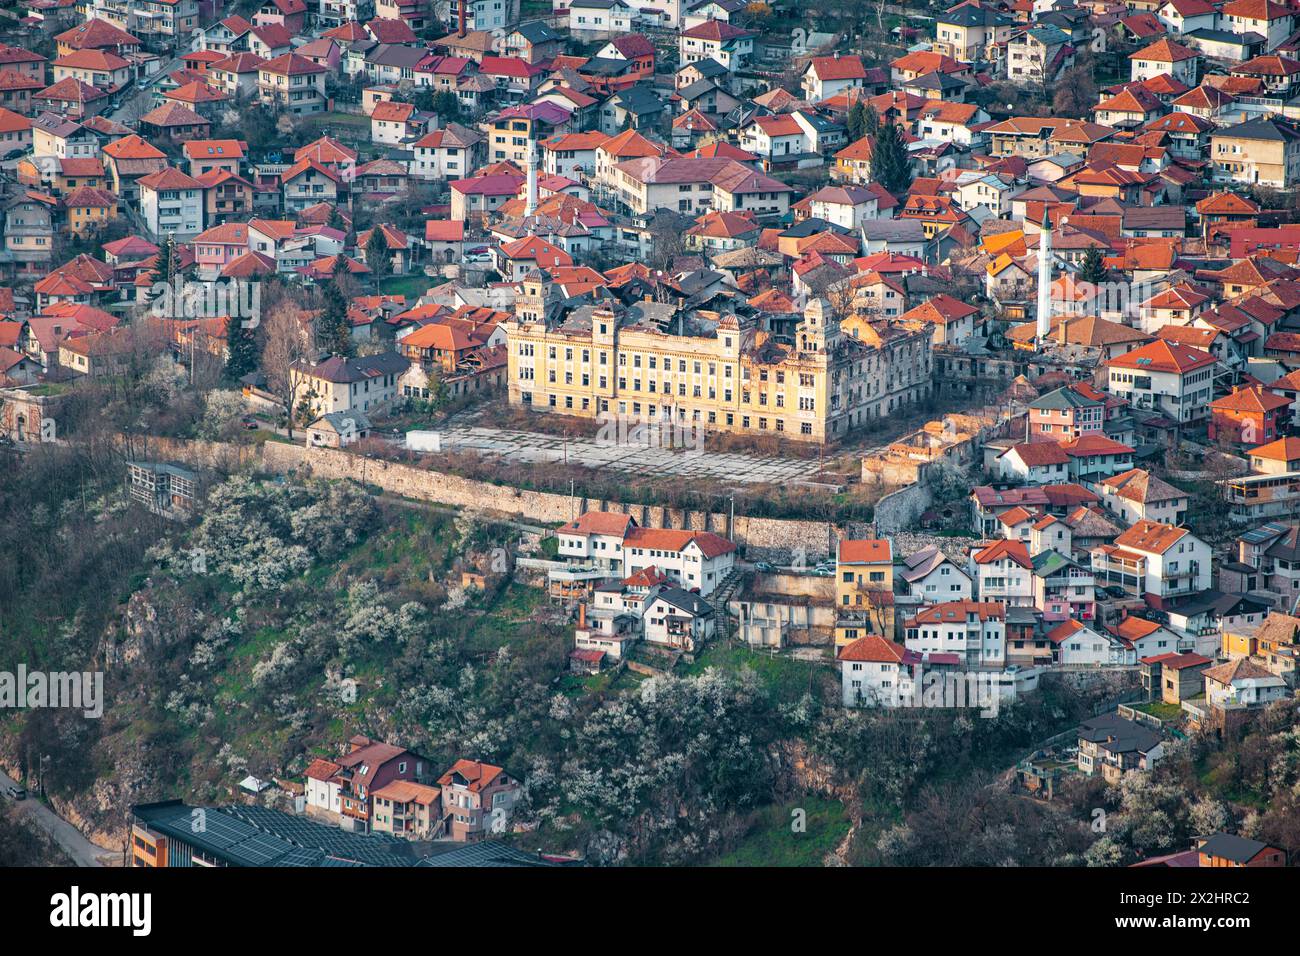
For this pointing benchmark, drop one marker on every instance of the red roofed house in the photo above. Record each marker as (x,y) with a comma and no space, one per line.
(876,672)
(1154,560)
(825,76)
(1003,570)
(294,81)
(171,202)
(341,791)
(514,260)
(953,320)
(975,632)
(1251,415)
(719,41)
(477,799)
(1174,380)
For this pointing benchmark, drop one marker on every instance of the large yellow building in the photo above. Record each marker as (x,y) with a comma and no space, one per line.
(651,362)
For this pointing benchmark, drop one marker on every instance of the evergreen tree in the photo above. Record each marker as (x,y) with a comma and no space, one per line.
(1092,269)
(870,121)
(241,347)
(166,267)
(890,165)
(857,121)
(377,256)
(332,331)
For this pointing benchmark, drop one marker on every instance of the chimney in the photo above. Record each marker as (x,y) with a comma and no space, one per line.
(460,31)
(582,615)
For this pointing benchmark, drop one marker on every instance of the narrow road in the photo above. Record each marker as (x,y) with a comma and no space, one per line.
(69,838)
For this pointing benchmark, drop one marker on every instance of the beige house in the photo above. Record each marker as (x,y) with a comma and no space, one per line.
(966,31)
(294,81)
(406,808)
(337,384)
(1263,151)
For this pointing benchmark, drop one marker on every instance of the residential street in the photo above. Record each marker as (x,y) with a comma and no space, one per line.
(68,837)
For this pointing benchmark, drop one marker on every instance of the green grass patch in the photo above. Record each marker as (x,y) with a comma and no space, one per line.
(410,286)
(786,678)
(1160,710)
(796,833)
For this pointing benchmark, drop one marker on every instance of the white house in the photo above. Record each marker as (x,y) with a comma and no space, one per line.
(596,538)
(1174,380)
(171,202)
(1035,463)
(1243,683)
(1156,559)
(975,631)
(933,577)
(688,559)
(1074,643)
(1003,572)
(1137,495)
(825,76)
(873,673)
(678,619)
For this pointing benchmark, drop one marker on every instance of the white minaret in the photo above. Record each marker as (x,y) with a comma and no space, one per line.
(531,206)
(1045,279)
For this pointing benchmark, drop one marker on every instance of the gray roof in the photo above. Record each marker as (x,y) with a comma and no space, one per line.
(1268,128)
(1238,849)
(893,230)
(687,601)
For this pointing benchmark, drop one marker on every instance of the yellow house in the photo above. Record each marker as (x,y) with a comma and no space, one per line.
(1239,645)
(75,173)
(89,209)
(853,162)
(864,589)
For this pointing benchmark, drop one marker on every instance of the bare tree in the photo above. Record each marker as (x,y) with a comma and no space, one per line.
(286,344)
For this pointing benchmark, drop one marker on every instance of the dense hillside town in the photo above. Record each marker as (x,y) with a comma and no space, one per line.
(585,434)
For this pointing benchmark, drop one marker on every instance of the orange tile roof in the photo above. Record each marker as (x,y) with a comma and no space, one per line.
(872,648)
(1152,537)
(865,551)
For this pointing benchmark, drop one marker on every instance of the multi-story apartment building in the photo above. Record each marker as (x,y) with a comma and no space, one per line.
(477,799)
(656,363)
(156,22)
(1154,559)
(1263,151)
(171,202)
(976,631)
(1003,572)
(293,81)
(864,589)
(1172,379)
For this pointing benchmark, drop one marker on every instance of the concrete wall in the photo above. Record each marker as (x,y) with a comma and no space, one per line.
(760,537)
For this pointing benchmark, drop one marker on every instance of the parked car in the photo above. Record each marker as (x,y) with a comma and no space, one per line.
(14,154)
(18,793)
(249,422)
(479,254)
(764,567)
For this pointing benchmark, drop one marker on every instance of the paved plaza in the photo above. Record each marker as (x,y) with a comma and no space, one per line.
(630,457)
